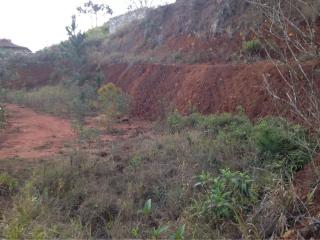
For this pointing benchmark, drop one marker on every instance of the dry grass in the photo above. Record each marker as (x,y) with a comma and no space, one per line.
(100,190)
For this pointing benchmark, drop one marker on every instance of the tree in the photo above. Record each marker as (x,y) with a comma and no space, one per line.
(73,48)
(76,38)
(94,9)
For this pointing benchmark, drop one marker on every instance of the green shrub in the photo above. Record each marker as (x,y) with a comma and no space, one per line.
(211,124)
(96,36)
(29,218)
(2,116)
(284,147)
(113,102)
(234,141)
(235,124)
(176,122)
(224,195)
(252,47)
(8,184)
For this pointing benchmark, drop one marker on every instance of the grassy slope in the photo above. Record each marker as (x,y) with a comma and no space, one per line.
(194,177)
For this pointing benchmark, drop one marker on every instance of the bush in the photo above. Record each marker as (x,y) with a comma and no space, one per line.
(224,195)
(211,124)
(252,47)
(96,36)
(176,122)
(30,214)
(284,147)
(233,141)
(113,102)
(8,184)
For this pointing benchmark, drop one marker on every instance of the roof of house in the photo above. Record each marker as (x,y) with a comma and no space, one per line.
(6,43)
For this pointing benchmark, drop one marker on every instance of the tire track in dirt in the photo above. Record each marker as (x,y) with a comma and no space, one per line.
(33,135)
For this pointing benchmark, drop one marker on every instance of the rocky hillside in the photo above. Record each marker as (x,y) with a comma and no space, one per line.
(184,32)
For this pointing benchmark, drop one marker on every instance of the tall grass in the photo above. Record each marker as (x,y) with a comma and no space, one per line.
(58,100)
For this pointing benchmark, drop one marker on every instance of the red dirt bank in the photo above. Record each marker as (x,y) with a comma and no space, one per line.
(208,88)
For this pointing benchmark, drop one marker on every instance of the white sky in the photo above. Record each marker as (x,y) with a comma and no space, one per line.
(40,23)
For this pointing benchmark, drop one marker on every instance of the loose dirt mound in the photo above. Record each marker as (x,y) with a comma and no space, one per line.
(33,135)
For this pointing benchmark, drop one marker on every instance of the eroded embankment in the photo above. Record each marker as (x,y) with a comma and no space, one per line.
(157,89)
(208,88)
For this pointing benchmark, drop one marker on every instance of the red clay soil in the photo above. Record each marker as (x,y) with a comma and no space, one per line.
(122,130)
(32,135)
(158,88)
(208,88)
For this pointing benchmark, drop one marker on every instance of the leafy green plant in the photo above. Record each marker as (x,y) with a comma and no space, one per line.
(147,209)
(135,232)
(223,194)
(175,122)
(284,147)
(158,232)
(179,234)
(252,47)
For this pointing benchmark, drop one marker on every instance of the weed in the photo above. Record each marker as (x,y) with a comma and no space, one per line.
(2,116)
(179,234)
(58,100)
(8,184)
(252,47)
(147,207)
(223,194)
(156,233)
(135,162)
(135,232)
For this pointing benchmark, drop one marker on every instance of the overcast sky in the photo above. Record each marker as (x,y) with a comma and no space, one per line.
(40,23)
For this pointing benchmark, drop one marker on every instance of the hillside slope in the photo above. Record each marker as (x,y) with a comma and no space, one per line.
(189,54)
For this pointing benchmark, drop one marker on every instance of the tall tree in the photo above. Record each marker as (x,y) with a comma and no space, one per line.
(94,9)
(73,49)
(76,38)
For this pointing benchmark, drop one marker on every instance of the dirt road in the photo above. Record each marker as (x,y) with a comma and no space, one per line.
(33,135)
